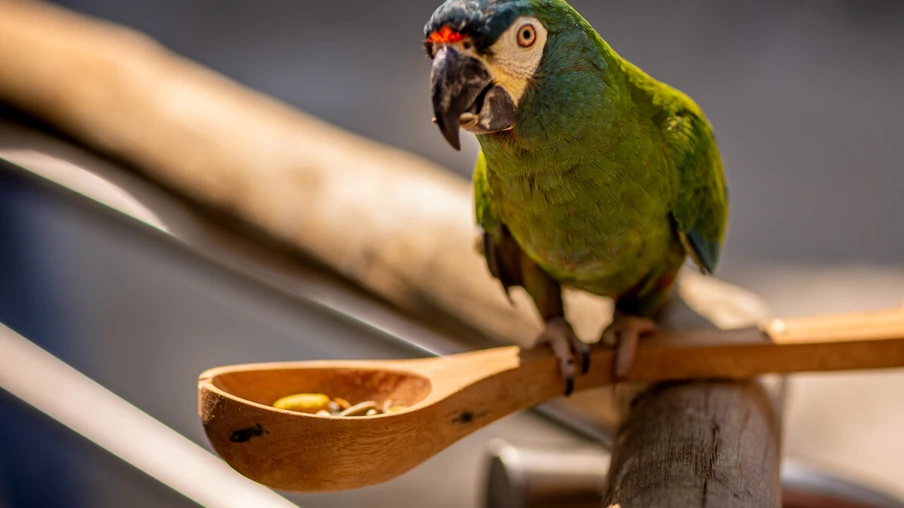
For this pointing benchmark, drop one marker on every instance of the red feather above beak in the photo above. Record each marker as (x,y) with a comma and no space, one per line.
(446,35)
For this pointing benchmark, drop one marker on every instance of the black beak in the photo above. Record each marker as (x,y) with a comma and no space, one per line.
(464,95)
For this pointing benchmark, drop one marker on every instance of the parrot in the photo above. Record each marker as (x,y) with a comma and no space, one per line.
(591,174)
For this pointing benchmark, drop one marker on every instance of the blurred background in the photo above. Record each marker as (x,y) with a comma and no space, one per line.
(805,99)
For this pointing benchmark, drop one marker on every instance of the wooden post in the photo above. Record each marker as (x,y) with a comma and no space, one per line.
(708,444)
(711,444)
(393,223)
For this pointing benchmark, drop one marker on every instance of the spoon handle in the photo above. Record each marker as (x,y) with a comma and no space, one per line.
(866,340)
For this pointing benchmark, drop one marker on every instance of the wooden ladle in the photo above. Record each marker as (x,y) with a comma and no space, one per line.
(448,398)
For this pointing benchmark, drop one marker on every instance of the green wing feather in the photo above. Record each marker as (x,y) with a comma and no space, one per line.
(700,199)
(700,209)
(505,259)
(496,239)
(486,217)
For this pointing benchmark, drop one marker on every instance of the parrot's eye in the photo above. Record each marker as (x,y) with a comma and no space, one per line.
(527,36)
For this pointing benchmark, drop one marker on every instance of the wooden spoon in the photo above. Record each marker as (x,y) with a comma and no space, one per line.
(448,398)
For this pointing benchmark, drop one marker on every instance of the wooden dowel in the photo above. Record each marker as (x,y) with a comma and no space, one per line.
(710,445)
(878,325)
(700,443)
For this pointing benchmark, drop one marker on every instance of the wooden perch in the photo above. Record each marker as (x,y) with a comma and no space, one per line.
(397,225)
(701,444)
(707,444)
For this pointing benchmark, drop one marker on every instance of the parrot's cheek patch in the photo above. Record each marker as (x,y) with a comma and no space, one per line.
(493,111)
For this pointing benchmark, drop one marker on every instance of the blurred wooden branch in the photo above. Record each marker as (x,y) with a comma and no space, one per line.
(394,223)
(397,225)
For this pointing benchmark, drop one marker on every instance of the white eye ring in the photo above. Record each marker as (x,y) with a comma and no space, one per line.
(527,36)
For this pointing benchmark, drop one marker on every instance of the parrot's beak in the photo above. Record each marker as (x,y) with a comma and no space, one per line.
(465,96)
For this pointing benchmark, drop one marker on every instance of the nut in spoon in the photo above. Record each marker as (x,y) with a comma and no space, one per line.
(448,398)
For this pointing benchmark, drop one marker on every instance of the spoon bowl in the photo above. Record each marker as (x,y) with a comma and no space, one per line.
(444,398)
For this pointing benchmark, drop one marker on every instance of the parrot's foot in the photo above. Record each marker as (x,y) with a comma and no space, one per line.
(623,334)
(567,347)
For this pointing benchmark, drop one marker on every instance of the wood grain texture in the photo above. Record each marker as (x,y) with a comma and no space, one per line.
(702,443)
(706,444)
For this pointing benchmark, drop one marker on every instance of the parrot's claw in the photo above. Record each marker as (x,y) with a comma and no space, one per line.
(623,334)
(567,347)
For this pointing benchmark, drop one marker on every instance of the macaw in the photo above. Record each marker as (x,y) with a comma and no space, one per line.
(591,174)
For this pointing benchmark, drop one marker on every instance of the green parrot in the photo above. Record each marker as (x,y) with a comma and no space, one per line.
(591,174)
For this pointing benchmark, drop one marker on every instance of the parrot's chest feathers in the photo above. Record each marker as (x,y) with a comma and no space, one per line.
(594,226)
(583,182)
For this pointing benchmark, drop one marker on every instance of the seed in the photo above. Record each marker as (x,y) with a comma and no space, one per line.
(303,402)
(359,409)
(468,119)
(322,405)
